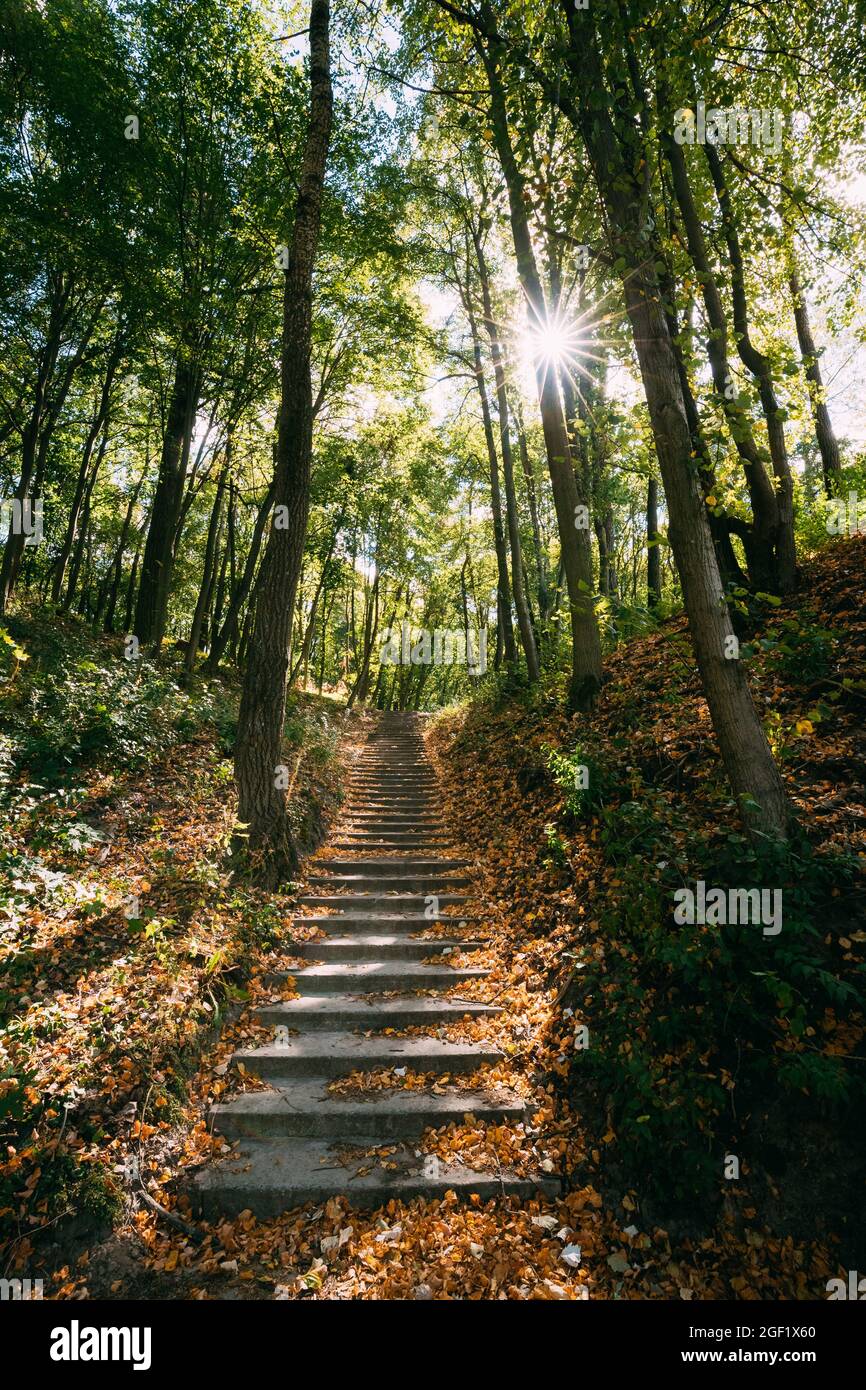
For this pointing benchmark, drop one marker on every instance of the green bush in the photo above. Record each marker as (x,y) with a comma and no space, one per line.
(78,703)
(680,1014)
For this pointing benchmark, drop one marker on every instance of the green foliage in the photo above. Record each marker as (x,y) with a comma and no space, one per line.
(798,648)
(581,776)
(67,711)
(678,1011)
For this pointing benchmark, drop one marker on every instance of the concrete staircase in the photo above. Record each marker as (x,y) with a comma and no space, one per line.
(371,973)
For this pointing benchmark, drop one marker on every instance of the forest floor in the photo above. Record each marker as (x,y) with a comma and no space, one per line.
(119,1028)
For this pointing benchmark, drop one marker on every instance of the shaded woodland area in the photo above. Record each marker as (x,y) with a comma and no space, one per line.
(499,362)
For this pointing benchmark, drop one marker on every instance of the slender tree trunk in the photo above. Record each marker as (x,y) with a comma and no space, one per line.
(574,538)
(371,627)
(745,753)
(524,621)
(532,498)
(239,596)
(503,592)
(761,555)
(270,848)
(99,424)
(720,524)
(209,566)
(114,591)
(759,365)
(828,445)
(152,606)
(304,656)
(653,559)
(78,552)
(323,654)
(33,435)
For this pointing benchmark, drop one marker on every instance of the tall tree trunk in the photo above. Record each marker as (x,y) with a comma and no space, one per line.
(524,620)
(828,445)
(269,845)
(503,590)
(209,566)
(304,655)
(152,606)
(745,752)
(761,554)
(114,590)
(98,424)
(44,414)
(759,365)
(720,524)
(228,629)
(532,498)
(371,627)
(78,552)
(574,538)
(653,559)
(130,590)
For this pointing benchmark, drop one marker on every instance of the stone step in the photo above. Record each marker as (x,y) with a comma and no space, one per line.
(404,768)
(337,1054)
(388,883)
(381,753)
(427,841)
(340,923)
(361,792)
(372,947)
(380,902)
(409,774)
(379,791)
(370,795)
(411,863)
(371,912)
(271,1178)
(366,977)
(410,825)
(380,840)
(306,1108)
(329,1011)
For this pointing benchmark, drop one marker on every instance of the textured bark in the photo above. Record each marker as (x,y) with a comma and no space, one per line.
(152,606)
(267,839)
(745,752)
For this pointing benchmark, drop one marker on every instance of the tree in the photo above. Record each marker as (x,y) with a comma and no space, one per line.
(261,799)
